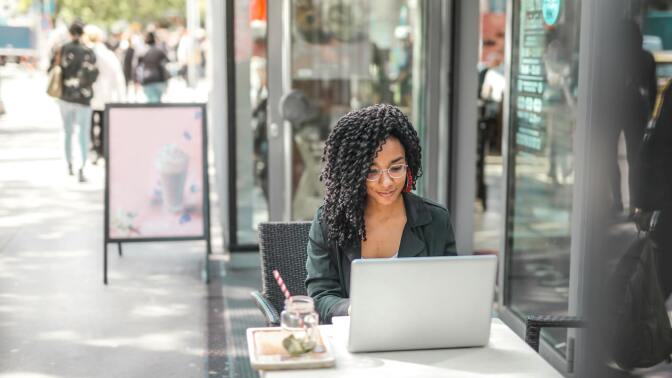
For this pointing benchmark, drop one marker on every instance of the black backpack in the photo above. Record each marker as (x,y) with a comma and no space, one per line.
(641,335)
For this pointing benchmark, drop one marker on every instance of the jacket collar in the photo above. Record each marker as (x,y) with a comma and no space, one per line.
(417,215)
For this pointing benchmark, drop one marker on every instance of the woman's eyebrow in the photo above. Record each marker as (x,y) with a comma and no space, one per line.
(397,160)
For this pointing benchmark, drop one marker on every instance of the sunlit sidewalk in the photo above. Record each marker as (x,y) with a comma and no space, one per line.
(57,319)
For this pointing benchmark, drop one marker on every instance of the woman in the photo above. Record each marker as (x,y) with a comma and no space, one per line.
(372,162)
(152,71)
(79,73)
(110,87)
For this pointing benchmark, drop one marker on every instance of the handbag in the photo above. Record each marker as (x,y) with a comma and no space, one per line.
(165,73)
(640,334)
(55,82)
(55,77)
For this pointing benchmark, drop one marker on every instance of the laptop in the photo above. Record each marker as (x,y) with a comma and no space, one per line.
(421,303)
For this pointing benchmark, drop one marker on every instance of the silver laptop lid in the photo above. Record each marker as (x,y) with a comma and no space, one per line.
(421,302)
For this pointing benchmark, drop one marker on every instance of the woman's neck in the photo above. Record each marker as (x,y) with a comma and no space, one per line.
(375,210)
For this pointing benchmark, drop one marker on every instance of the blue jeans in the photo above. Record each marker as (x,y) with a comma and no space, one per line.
(154,91)
(73,113)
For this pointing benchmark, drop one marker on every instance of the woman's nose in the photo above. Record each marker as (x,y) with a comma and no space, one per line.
(386,179)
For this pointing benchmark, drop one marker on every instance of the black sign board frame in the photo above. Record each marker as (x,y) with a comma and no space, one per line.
(206,187)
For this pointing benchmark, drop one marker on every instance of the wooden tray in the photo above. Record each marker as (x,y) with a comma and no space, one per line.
(267,353)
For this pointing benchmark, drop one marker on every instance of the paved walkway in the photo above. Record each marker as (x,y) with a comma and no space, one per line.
(157,318)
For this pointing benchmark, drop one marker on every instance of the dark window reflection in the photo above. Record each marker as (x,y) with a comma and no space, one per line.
(634,287)
(626,203)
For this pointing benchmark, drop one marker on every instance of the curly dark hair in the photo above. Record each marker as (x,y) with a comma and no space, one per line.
(350,149)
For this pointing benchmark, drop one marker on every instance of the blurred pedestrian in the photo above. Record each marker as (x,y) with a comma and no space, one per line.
(78,64)
(182,52)
(190,56)
(152,71)
(129,61)
(109,87)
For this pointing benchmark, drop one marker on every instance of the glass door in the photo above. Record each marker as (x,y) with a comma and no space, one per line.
(247,119)
(326,58)
(540,180)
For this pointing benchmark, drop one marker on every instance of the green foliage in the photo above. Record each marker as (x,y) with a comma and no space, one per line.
(106,12)
(24,5)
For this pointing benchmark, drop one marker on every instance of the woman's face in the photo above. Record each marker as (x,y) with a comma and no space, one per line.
(387,189)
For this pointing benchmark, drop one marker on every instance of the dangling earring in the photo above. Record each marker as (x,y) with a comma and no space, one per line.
(409,181)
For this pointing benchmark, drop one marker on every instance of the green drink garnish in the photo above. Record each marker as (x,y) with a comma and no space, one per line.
(296,346)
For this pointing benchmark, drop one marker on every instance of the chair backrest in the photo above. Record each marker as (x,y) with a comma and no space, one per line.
(282,246)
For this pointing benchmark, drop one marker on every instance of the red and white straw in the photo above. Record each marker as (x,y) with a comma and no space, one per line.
(281,284)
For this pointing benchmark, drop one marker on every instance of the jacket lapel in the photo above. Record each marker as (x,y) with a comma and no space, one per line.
(411,244)
(417,215)
(351,253)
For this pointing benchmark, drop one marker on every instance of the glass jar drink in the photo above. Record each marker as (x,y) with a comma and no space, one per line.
(301,321)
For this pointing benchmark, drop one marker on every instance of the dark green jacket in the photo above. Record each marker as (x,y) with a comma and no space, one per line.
(428,232)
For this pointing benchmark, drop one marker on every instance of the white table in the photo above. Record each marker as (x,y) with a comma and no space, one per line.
(506,355)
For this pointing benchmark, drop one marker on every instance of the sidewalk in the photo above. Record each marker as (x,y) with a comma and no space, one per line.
(157,317)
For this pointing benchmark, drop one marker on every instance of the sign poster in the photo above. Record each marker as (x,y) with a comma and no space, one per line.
(530,79)
(156,183)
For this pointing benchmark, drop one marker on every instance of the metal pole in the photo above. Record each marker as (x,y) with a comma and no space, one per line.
(105,263)
(207,261)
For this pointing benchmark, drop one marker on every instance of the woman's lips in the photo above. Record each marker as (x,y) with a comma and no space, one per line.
(386,194)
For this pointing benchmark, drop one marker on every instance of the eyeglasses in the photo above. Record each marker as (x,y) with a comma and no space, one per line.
(395,171)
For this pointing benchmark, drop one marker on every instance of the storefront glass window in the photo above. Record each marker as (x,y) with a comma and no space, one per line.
(347,55)
(491,93)
(251,143)
(544,71)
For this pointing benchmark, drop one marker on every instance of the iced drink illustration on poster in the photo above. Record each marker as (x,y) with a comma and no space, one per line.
(156,172)
(172,164)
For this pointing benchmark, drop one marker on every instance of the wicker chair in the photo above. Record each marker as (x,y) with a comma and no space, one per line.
(282,246)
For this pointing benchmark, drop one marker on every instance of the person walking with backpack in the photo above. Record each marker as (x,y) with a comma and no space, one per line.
(79,72)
